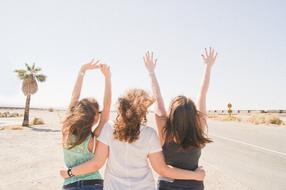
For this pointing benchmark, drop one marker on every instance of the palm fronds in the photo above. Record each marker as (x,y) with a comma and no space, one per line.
(41,77)
(31,70)
(22,74)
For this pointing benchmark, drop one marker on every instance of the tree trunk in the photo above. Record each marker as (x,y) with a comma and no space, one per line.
(26,113)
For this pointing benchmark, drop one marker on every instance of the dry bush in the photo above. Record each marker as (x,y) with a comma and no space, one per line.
(9,114)
(51,109)
(37,121)
(11,127)
(224,117)
(265,119)
(229,118)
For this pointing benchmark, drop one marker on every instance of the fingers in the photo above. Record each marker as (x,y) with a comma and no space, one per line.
(215,56)
(203,56)
(206,52)
(104,67)
(209,53)
(92,60)
(212,51)
(149,56)
(96,62)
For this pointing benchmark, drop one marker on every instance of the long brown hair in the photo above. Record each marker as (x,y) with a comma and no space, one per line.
(79,121)
(131,113)
(184,125)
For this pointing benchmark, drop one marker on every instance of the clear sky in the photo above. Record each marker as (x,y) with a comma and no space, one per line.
(60,35)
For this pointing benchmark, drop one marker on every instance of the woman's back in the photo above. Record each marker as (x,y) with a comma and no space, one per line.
(181,158)
(76,156)
(128,166)
(178,157)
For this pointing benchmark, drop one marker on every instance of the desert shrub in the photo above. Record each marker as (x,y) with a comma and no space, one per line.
(224,117)
(265,119)
(51,109)
(37,121)
(229,118)
(5,114)
(11,127)
(9,114)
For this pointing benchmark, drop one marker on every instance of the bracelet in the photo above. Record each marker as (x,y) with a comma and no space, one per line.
(70,172)
(152,73)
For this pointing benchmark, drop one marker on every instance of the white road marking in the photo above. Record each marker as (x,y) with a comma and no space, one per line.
(251,145)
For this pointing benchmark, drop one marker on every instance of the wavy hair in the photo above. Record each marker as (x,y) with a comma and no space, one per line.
(79,121)
(184,124)
(132,109)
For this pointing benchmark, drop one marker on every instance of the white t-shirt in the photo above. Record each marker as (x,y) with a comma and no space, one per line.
(127,167)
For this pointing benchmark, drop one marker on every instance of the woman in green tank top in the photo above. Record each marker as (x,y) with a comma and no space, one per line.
(79,135)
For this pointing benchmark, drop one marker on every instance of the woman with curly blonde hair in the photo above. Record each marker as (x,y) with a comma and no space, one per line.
(78,133)
(128,144)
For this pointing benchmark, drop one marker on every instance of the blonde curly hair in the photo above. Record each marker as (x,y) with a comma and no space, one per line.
(132,110)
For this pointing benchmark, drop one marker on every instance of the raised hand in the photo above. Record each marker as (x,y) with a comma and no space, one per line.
(150,62)
(209,56)
(93,64)
(105,70)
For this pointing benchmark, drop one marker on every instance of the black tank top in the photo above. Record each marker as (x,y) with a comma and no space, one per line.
(181,158)
(187,159)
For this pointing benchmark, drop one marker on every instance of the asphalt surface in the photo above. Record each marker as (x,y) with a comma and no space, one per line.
(254,156)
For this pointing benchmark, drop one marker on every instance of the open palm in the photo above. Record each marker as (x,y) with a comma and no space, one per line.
(209,56)
(150,61)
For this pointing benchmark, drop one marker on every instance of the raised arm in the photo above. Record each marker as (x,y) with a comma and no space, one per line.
(158,164)
(93,64)
(104,117)
(209,58)
(101,155)
(160,110)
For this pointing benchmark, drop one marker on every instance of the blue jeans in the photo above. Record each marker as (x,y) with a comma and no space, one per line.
(181,185)
(81,186)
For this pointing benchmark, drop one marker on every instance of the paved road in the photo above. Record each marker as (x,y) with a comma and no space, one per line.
(255,156)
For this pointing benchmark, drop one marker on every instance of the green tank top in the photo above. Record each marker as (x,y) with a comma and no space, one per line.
(76,156)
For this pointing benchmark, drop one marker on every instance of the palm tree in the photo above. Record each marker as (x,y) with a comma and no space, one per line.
(30,75)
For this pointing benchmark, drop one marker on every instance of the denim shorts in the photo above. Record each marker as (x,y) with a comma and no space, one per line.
(79,185)
(181,185)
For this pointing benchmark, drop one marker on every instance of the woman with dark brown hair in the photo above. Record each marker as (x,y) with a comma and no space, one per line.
(129,144)
(79,135)
(182,131)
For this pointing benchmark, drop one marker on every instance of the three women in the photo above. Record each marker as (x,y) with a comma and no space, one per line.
(129,143)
